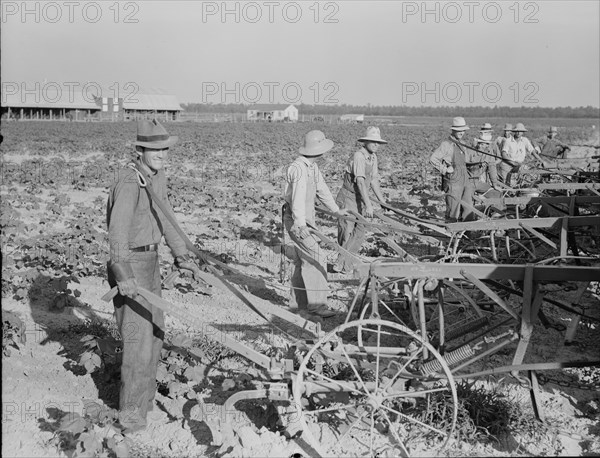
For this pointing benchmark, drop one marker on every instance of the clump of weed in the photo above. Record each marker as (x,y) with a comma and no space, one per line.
(482,414)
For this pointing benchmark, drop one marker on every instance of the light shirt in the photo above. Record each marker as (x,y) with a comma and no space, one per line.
(516,150)
(363,164)
(304,182)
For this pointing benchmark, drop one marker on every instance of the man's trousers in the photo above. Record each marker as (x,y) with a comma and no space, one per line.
(309,279)
(142,329)
(351,235)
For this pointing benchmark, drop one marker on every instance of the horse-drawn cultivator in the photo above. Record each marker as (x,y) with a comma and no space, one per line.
(384,382)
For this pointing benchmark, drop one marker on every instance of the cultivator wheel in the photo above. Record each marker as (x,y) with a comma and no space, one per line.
(391,397)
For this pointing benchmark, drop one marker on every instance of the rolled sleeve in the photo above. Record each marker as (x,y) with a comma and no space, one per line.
(358,166)
(324,194)
(296,193)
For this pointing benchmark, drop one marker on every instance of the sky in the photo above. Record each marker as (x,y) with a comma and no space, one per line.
(509,53)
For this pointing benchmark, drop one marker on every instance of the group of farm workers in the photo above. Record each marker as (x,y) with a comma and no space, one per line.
(487,165)
(139,215)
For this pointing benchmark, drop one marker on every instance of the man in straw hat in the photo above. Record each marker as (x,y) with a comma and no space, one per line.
(304,183)
(550,147)
(135,228)
(502,138)
(360,175)
(482,166)
(514,152)
(450,160)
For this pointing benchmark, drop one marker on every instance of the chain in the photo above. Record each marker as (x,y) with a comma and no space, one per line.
(543,379)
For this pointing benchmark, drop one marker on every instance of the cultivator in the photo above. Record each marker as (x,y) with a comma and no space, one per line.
(384,382)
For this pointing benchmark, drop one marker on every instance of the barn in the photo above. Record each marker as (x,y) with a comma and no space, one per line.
(48,104)
(151,105)
(273,112)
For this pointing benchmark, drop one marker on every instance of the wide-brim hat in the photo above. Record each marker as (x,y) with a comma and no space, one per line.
(508,127)
(151,134)
(552,129)
(459,124)
(315,144)
(519,128)
(485,127)
(373,135)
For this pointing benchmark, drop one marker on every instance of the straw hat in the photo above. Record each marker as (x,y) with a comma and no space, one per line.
(486,127)
(519,128)
(508,127)
(315,144)
(553,130)
(373,135)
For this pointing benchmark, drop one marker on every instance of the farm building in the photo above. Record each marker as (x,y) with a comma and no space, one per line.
(48,104)
(149,106)
(270,113)
(57,104)
(352,118)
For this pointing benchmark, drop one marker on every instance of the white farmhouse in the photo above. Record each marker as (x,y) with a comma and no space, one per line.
(273,112)
(352,118)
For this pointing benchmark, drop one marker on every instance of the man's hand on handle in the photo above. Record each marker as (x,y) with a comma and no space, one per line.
(128,288)
(186,263)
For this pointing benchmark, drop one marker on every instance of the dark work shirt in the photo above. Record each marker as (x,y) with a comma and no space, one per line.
(133,221)
(550,147)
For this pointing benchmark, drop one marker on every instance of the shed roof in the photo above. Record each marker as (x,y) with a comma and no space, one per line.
(50,98)
(61,97)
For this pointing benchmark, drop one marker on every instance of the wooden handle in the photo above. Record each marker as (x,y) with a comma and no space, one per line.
(111,294)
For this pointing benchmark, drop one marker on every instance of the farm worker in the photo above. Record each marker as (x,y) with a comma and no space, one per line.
(482,167)
(135,228)
(450,160)
(485,128)
(502,138)
(514,151)
(360,174)
(304,183)
(550,147)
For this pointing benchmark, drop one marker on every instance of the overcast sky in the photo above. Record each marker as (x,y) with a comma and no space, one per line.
(543,53)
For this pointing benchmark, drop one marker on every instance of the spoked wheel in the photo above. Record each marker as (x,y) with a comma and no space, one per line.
(393,398)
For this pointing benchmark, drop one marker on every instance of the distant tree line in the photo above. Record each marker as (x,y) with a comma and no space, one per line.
(388,110)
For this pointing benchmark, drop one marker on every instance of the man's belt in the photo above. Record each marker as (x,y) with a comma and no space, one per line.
(151,247)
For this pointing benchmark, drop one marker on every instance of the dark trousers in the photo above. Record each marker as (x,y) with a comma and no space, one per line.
(351,235)
(142,329)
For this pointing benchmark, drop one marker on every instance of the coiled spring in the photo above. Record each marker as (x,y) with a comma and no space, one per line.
(454,357)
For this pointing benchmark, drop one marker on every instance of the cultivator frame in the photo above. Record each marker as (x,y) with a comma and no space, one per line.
(371,373)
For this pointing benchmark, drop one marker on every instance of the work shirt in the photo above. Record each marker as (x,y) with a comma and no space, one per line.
(133,220)
(516,150)
(360,164)
(481,165)
(304,182)
(447,154)
(499,142)
(550,147)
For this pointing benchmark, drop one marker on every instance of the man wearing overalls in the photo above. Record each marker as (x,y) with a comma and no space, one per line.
(135,228)
(450,160)
(304,183)
(360,175)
